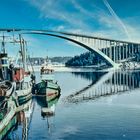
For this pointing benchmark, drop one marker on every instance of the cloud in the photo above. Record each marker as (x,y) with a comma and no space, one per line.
(122,25)
(82,10)
(61,27)
(96,21)
(106,21)
(52,9)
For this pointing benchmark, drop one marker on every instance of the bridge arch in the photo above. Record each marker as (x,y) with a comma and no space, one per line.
(96,51)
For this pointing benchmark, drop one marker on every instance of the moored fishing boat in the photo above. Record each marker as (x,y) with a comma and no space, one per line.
(48,89)
(7,84)
(23,77)
(15,81)
(47,71)
(47,75)
(23,93)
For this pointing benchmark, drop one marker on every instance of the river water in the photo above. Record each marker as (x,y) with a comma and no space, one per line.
(92,106)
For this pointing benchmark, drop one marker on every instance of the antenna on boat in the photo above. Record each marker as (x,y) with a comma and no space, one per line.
(14,40)
(24,55)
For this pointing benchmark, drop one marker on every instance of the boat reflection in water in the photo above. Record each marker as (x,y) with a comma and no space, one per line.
(24,119)
(47,107)
(7,117)
(21,121)
(21,118)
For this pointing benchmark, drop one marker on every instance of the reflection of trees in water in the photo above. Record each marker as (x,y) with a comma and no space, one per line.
(106,84)
(91,76)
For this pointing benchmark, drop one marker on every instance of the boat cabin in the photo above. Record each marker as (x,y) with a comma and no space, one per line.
(46,70)
(18,74)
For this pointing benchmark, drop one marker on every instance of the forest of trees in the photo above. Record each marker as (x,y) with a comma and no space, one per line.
(85,59)
(60,59)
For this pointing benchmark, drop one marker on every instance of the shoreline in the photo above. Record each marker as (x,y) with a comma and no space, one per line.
(82,69)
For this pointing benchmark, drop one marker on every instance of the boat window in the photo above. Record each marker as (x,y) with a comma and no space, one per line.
(18,86)
(3,61)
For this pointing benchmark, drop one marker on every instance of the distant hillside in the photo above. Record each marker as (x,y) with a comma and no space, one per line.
(60,59)
(85,59)
(41,60)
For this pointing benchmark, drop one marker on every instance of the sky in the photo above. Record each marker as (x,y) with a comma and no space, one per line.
(115,19)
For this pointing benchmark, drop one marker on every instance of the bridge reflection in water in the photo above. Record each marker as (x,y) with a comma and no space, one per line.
(105,84)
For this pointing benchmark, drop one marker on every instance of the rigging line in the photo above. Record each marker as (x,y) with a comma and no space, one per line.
(31,65)
(30,59)
(14,36)
(17,58)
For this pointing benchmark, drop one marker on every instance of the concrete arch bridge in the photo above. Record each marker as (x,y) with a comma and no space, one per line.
(113,52)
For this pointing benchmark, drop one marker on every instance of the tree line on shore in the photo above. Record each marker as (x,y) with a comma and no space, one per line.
(85,59)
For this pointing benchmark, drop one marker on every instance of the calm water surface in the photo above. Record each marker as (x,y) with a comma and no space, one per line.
(92,106)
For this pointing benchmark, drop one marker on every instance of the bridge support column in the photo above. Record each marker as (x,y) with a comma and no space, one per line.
(126,47)
(110,49)
(114,48)
(117,52)
(123,51)
(105,43)
(128,50)
(139,48)
(132,49)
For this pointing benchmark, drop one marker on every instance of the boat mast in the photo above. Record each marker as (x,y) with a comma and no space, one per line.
(3,44)
(23,52)
(3,59)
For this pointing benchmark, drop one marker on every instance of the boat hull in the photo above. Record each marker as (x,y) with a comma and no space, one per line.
(23,96)
(49,89)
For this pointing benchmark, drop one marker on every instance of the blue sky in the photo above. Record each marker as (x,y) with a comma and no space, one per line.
(117,19)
